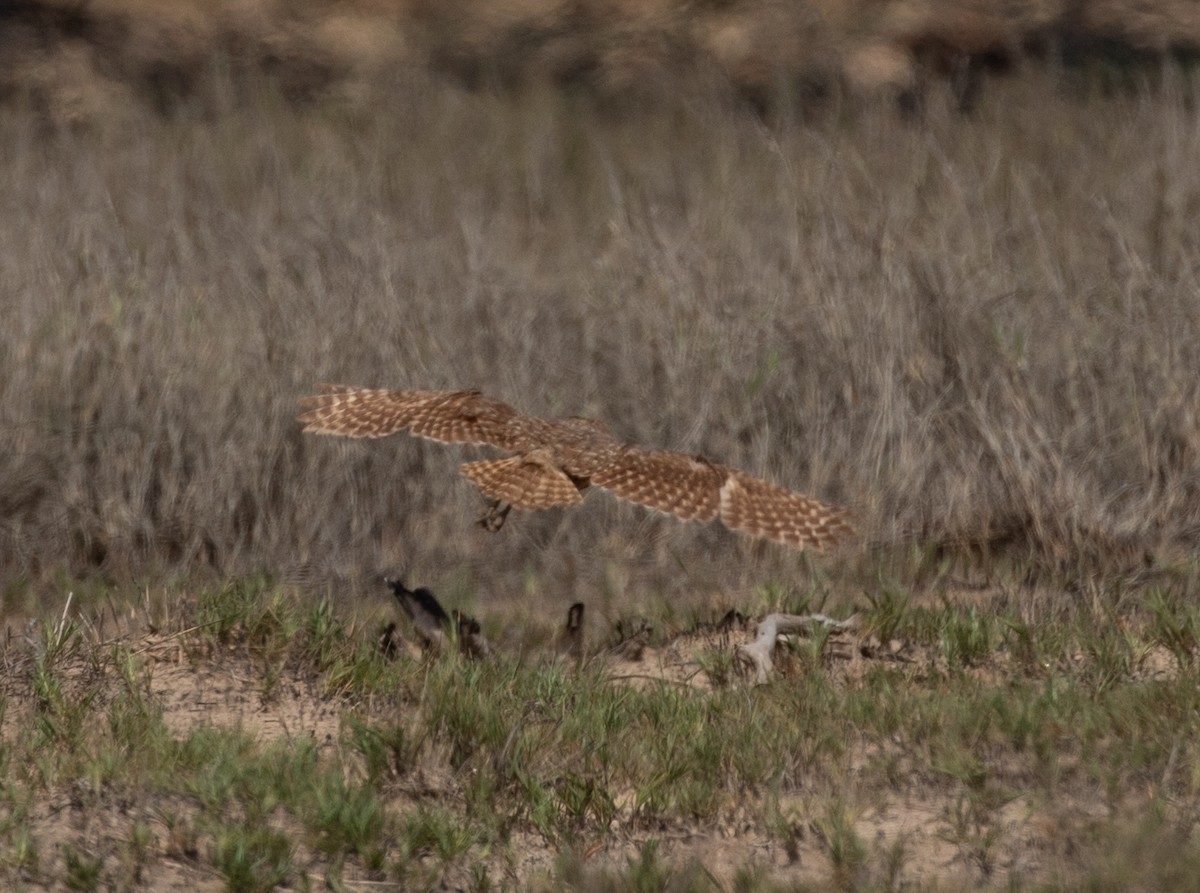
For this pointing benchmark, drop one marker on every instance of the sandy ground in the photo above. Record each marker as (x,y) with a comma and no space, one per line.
(224,688)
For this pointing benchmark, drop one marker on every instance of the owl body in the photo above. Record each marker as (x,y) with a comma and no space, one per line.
(555,460)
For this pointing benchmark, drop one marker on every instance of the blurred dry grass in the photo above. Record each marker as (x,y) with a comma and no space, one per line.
(981,333)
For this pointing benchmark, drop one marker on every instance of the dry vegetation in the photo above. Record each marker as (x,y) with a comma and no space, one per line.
(980,332)
(252,740)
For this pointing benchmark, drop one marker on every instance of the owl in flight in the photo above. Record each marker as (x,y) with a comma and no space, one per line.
(556,460)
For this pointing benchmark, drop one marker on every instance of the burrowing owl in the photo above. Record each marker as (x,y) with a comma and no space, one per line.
(557,459)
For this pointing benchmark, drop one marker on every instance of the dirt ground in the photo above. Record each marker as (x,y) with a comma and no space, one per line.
(224,688)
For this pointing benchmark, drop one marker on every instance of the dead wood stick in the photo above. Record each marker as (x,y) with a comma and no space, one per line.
(774,625)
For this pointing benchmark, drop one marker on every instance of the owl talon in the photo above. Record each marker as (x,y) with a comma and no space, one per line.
(493,519)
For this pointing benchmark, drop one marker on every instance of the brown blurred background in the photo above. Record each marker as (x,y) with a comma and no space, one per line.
(74,59)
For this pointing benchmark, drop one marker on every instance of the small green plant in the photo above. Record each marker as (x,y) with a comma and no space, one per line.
(1175,624)
(82,873)
(253,858)
(344,819)
(1022,643)
(646,871)
(20,852)
(966,639)
(846,851)
(888,612)
(971,825)
(1113,655)
(584,800)
(63,709)
(388,749)
(436,831)
(718,665)
(139,852)
(223,611)
(896,856)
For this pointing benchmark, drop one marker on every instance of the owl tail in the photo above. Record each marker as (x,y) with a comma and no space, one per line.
(527,482)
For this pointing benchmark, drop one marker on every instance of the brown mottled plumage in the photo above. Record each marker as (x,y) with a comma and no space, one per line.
(557,459)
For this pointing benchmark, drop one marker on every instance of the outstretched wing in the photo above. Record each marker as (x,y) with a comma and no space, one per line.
(761,508)
(694,489)
(446,416)
(676,483)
